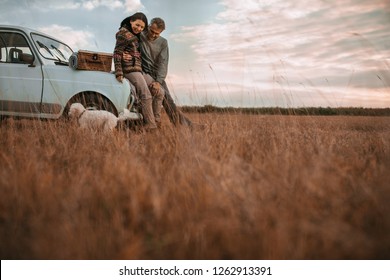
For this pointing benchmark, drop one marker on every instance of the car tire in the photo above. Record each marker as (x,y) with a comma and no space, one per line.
(92,101)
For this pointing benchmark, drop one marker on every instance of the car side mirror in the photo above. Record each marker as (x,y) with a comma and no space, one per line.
(28,59)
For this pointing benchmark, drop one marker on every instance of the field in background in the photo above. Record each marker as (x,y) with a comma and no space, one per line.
(306,111)
(244,187)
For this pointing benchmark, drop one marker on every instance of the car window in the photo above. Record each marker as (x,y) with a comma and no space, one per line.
(52,49)
(14,48)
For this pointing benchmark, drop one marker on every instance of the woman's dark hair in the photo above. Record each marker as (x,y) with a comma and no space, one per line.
(140,16)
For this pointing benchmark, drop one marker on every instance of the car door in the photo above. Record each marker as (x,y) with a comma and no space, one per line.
(20,76)
(59,78)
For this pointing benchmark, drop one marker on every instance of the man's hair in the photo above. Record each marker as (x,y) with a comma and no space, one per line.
(159,22)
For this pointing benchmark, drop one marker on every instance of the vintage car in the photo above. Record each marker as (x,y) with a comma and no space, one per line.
(37,81)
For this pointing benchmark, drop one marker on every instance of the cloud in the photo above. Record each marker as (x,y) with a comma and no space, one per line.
(76,39)
(89,5)
(93,4)
(133,5)
(291,39)
(53,5)
(129,5)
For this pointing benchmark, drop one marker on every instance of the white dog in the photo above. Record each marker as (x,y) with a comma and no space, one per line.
(94,119)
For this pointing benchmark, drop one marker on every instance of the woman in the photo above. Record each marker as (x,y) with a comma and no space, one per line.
(127,61)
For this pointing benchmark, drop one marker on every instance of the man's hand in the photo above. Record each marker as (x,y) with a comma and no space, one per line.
(155,88)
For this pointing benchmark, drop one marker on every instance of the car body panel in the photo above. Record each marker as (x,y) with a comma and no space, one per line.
(27,82)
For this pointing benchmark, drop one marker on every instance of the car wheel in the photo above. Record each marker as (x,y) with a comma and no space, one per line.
(92,101)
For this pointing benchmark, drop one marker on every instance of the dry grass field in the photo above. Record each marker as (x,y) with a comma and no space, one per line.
(244,187)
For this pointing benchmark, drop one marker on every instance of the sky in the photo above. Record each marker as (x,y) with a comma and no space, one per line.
(246,53)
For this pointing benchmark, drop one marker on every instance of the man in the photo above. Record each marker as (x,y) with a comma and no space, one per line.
(155,56)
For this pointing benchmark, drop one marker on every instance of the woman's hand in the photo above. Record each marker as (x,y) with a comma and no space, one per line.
(119,78)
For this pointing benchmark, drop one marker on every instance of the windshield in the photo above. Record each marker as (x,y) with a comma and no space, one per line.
(52,49)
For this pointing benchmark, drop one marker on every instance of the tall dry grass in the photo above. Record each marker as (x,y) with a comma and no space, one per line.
(245,187)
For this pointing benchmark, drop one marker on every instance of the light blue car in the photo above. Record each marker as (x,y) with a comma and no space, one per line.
(36,80)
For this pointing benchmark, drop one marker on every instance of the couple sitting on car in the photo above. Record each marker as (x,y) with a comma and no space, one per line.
(141,56)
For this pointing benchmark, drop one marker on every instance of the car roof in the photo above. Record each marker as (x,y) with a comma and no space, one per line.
(27,30)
